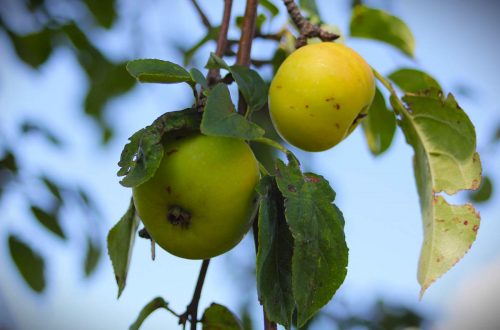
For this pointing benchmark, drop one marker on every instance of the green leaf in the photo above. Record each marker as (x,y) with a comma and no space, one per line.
(92,257)
(120,243)
(320,252)
(35,48)
(218,317)
(413,81)
(212,34)
(379,25)
(158,71)
(54,189)
(485,191)
(198,77)
(271,8)
(215,62)
(147,310)
(251,85)
(445,160)
(8,161)
(29,127)
(103,11)
(29,263)
(220,118)
(49,220)
(312,8)
(259,21)
(274,255)
(142,155)
(380,125)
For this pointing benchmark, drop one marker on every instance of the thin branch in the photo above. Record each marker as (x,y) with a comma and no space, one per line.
(247,33)
(214,74)
(191,312)
(203,17)
(306,28)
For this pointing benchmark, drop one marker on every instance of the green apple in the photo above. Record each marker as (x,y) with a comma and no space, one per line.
(201,200)
(319,94)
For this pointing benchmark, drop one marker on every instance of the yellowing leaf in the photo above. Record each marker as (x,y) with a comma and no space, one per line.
(445,160)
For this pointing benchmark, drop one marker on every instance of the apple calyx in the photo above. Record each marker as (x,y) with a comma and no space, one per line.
(177,216)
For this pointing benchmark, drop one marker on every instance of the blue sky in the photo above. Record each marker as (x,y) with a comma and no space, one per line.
(456,42)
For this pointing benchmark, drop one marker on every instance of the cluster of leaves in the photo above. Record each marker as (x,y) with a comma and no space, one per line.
(59,197)
(302,254)
(54,30)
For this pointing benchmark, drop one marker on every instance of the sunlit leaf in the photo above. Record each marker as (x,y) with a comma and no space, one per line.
(120,243)
(30,264)
(445,160)
(413,81)
(218,317)
(379,25)
(158,71)
(198,77)
(270,7)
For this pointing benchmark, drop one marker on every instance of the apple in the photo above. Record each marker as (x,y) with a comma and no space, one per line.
(319,94)
(201,201)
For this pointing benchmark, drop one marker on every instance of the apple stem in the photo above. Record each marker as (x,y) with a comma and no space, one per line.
(191,312)
(306,28)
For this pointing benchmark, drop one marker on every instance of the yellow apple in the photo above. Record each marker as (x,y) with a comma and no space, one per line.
(201,200)
(319,94)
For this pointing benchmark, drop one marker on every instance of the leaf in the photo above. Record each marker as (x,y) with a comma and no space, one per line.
(379,25)
(103,10)
(120,243)
(311,7)
(158,71)
(485,191)
(29,263)
(29,127)
(413,81)
(54,189)
(220,118)
(212,34)
(250,83)
(320,252)
(218,317)
(142,155)
(274,255)
(380,125)
(198,77)
(35,48)
(48,220)
(445,160)
(271,8)
(9,162)
(147,310)
(92,257)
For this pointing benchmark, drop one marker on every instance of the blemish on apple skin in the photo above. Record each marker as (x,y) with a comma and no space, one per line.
(466,223)
(279,87)
(475,228)
(291,188)
(312,179)
(307,106)
(337,125)
(337,106)
(329,99)
(168,189)
(172,151)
